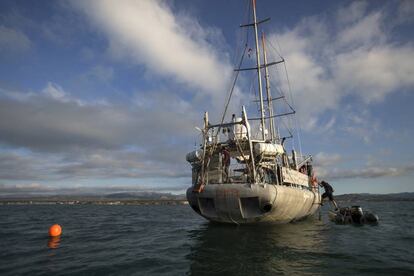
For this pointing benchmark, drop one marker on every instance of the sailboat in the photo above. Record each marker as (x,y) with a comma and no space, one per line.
(243,176)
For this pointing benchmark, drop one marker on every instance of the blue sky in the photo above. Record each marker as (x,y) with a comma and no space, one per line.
(105,95)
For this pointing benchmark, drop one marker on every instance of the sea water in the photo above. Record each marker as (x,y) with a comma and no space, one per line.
(173,240)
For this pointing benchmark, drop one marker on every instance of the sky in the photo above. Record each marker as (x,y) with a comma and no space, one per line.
(105,95)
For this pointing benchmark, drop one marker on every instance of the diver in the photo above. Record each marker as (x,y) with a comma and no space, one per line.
(328,193)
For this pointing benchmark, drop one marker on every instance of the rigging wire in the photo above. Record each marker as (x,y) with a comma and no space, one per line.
(233,86)
(281,93)
(236,72)
(230,95)
(296,119)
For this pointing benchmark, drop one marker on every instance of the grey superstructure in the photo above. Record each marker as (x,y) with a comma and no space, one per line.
(244,177)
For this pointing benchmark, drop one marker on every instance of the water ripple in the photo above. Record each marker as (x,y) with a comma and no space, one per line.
(172,240)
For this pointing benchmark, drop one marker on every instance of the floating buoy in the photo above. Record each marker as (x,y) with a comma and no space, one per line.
(55,230)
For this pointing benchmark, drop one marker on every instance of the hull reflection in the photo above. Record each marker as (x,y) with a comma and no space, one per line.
(272,249)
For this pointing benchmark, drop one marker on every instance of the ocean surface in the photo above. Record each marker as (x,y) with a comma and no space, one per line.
(173,240)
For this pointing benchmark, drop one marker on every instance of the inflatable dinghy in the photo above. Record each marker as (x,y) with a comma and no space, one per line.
(353,215)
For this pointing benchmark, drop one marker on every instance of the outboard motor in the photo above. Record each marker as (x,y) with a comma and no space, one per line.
(356,214)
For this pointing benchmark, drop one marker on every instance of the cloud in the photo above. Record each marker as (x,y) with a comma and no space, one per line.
(13,41)
(148,33)
(54,91)
(64,137)
(92,164)
(313,90)
(55,121)
(326,159)
(353,55)
(24,188)
(353,12)
(406,10)
(370,172)
(68,138)
(365,30)
(38,189)
(100,73)
(124,164)
(376,72)
(14,166)
(361,124)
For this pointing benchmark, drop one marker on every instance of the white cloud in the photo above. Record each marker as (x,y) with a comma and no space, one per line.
(12,40)
(99,73)
(57,120)
(147,32)
(37,189)
(326,159)
(371,172)
(375,72)
(361,124)
(406,10)
(145,137)
(364,31)
(54,91)
(353,12)
(355,56)
(313,89)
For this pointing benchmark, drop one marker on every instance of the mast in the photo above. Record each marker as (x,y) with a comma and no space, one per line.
(262,119)
(268,94)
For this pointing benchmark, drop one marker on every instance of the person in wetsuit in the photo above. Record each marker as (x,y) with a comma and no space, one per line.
(328,193)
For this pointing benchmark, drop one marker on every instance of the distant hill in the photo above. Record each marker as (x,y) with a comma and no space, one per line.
(144,195)
(376,197)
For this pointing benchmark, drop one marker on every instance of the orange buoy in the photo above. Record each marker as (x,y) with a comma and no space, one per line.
(55,230)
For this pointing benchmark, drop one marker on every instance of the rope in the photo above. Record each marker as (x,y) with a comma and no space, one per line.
(296,117)
(240,64)
(296,120)
(233,86)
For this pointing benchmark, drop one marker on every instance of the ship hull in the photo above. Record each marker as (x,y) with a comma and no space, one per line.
(253,203)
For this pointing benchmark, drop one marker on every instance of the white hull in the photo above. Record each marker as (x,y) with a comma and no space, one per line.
(253,203)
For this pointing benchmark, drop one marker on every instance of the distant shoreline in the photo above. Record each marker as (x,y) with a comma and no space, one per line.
(162,199)
(93,202)
(376,197)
